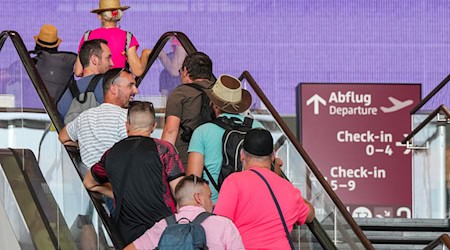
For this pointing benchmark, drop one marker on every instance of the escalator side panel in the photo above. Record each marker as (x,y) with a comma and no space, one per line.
(8,239)
(44,197)
(35,224)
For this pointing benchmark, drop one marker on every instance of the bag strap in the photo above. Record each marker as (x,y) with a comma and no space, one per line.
(86,35)
(171,220)
(247,122)
(91,87)
(73,87)
(201,217)
(232,122)
(288,235)
(128,42)
(119,195)
(211,179)
(93,83)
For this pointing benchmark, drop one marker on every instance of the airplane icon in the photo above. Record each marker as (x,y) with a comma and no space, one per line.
(397,105)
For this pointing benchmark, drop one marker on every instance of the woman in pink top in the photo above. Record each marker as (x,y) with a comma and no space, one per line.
(109,13)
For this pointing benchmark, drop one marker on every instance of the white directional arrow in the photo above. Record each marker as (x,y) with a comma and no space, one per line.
(316,99)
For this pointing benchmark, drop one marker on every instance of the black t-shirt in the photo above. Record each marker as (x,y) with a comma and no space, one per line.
(143,202)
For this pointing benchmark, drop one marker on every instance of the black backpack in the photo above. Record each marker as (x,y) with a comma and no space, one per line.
(232,141)
(56,70)
(186,236)
(206,113)
(82,101)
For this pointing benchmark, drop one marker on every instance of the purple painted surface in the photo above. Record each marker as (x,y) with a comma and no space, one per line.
(281,43)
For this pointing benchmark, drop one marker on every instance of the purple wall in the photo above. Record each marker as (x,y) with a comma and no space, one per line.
(282,43)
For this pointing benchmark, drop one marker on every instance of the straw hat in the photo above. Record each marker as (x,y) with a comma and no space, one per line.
(48,37)
(228,95)
(105,5)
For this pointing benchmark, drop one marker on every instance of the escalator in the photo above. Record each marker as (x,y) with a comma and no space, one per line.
(36,129)
(29,206)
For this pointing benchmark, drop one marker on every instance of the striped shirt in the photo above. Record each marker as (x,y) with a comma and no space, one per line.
(98,129)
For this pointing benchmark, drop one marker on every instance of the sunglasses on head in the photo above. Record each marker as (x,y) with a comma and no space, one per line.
(116,73)
(143,103)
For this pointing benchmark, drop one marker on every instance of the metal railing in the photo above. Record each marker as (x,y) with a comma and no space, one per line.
(444,239)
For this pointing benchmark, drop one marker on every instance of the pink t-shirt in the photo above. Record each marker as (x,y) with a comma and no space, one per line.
(246,200)
(220,231)
(116,39)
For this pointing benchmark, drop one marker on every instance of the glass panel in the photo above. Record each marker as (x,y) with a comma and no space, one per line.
(162,77)
(74,218)
(429,168)
(299,173)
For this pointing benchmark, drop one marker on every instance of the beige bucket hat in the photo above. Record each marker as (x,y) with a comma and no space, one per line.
(228,95)
(48,37)
(105,5)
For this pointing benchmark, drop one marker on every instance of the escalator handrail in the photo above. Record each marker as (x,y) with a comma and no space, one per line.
(429,118)
(362,237)
(430,95)
(159,46)
(51,109)
(443,239)
(34,75)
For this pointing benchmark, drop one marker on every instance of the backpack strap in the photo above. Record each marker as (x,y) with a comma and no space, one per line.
(247,122)
(171,220)
(73,87)
(128,42)
(86,35)
(129,35)
(227,124)
(201,217)
(211,179)
(94,81)
(232,122)
(223,122)
(91,87)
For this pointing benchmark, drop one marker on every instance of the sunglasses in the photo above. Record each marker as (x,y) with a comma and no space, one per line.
(114,74)
(197,179)
(143,104)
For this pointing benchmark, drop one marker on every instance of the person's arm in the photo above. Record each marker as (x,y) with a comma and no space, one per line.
(65,139)
(311,212)
(130,247)
(172,66)
(195,164)
(78,68)
(137,65)
(171,128)
(278,163)
(91,184)
(173,183)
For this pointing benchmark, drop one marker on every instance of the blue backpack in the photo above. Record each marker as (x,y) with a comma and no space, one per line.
(184,236)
